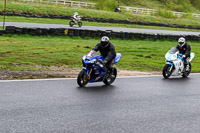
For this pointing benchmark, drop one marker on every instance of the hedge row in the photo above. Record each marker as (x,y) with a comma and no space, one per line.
(103,20)
(92,33)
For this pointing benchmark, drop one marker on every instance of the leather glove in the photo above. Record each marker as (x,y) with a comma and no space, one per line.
(104,62)
(183,56)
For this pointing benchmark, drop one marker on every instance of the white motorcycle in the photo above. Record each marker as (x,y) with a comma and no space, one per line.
(175,64)
(75,21)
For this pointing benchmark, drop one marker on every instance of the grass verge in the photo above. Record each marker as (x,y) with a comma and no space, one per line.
(66,22)
(24,52)
(52,9)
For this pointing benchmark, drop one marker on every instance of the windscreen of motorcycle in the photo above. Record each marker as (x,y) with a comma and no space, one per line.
(172,54)
(173,50)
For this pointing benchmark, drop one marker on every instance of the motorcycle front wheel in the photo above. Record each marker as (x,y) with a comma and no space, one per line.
(166,71)
(79,24)
(82,78)
(187,73)
(111,77)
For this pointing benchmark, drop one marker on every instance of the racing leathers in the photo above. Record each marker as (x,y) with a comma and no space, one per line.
(76,17)
(185,50)
(107,52)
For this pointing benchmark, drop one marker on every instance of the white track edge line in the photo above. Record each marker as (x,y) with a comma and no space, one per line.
(55,79)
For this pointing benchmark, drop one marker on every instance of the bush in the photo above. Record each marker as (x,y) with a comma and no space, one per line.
(165,14)
(195,3)
(178,5)
(108,5)
(188,16)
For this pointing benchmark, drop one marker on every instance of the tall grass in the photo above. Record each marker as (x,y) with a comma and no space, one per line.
(165,14)
(188,16)
(108,5)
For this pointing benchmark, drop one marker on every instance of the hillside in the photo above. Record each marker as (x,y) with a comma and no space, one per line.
(174,5)
(34,8)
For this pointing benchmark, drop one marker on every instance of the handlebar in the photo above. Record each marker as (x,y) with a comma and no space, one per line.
(97,60)
(101,62)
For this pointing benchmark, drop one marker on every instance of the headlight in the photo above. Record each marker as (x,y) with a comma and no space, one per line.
(84,57)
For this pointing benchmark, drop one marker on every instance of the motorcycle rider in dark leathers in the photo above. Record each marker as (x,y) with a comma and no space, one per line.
(185,49)
(107,50)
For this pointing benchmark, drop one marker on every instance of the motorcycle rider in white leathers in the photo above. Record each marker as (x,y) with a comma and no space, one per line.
(76,16)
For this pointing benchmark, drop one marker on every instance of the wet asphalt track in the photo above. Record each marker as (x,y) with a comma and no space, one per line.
(135,30)
(131,105)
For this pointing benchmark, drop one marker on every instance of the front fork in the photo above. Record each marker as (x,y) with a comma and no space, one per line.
(89,71)
(170,68)
(170,63)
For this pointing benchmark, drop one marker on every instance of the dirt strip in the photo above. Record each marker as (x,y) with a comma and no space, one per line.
(59,73)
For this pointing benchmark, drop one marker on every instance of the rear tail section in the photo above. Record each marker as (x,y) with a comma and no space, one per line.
(118,57)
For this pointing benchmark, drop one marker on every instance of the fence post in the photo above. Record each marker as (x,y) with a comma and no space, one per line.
(137,10)
(143,11)
(148,11)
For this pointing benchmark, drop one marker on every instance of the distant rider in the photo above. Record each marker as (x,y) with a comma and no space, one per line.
(107,50)
(76,16)
(184,48)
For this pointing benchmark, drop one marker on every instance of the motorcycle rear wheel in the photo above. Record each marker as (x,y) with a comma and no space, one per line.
(166,73)
(82,78)
(71,23)
(109,80)
(187,73)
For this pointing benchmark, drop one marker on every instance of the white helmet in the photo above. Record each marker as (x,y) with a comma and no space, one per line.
(104,41)
(181,42)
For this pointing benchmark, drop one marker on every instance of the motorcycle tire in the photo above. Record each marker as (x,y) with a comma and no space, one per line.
(109,80)
(187,73)
(71,23)
(79,24)
(166,73)
(82,78)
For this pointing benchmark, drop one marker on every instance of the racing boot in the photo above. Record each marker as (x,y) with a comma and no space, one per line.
(186,64)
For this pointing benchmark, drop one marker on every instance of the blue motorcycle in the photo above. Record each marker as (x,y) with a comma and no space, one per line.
(94,71)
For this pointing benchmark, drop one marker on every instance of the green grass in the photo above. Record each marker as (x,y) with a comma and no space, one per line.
(86,23)
(52,9)
(151,4)
(24,52)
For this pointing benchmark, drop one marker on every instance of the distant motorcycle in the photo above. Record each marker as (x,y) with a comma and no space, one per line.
(75,21)
(175,64)
(94,71)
